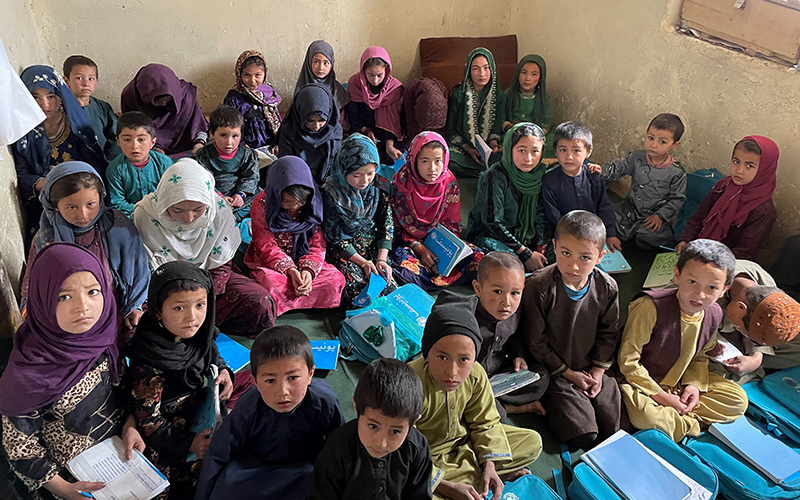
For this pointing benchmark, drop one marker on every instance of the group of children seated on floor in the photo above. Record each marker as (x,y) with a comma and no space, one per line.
(322,225)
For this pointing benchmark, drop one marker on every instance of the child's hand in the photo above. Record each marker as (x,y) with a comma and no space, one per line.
(426,257)
(582,380)
(680,246)
(237,201)
(369,133)
(62,488)
(690,397)
(197,146)
(131,438)
(741,365)
(228,199)
(614,244)
(491,481)
(494,145)
(671,400)
(225,384)
(305,282)
(537,261)
(200,444)
(715,351)
(597,374)
(457,491)
(475,155)
(594,168)
(520,364)
(132,319)
(297,279)
(39,184)
(393,152)
(384,269)
(653,223)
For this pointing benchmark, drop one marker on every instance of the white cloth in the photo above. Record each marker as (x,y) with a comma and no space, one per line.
(19,113)
(209,241)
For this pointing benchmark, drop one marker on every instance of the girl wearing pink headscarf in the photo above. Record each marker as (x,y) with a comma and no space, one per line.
(375,101)
(739,211)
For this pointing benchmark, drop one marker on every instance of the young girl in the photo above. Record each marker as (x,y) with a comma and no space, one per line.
(312,130)
(59,389)
(171,357)
(287,254)
(425,104)
(318,67)
(172,104)
(527,99)
(65,134)
(424,194)
(477,107)
(739,211)
(186,220)
(256,100)
(358,217)
(508,214)
(376,99)
(74,212)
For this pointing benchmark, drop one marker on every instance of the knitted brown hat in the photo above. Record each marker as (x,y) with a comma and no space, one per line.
(776,320)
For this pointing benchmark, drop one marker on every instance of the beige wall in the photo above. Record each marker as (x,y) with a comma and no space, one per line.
(616,64)
(24,47)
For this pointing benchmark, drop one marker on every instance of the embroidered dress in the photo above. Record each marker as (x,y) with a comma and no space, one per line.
(259,107)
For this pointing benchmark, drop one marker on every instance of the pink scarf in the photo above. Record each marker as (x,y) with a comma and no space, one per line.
(385,103)
(736,202)
(417,204)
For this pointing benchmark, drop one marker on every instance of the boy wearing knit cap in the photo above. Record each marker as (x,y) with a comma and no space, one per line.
(472,451)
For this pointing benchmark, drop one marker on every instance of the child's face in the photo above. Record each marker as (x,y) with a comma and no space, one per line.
(744,166)
(571,154)
(80,303)
(430,163)
(315,123)
(320,65)
(82,81)
(283,382)
(48,101)
(527,152)
(501,292)
(576,259)
(450,360)
(227,138)
(379,434)
(375,75)
(659,143)
(291,204)
(699,286)
(362,178)
(480,72)
(187,211)
(253,75)
(80,209)
(529,77)
(135,143)
(184,312)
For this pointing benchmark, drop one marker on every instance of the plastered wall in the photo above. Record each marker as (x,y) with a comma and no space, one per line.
(616,64)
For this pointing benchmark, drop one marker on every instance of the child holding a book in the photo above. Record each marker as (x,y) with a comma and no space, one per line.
(665,346)
(424,194)
(267,446)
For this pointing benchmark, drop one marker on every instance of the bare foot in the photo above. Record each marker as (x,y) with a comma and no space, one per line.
(512,476)
(535,407)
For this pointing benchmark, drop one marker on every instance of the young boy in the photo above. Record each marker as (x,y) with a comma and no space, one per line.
(658,185)
(472,451)
(136,172)
(380,454)
(81,75)
(267,446)
(498,292)
(664,351)
(235,168)
(570,325)
(570,186)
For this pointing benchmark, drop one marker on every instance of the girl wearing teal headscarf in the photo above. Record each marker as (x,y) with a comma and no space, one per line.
(508,214)
(357,217)
(477,107)
(527,99)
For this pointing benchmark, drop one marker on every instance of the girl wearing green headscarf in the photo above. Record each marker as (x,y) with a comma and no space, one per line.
(527,99)
(477,107)
(508,214)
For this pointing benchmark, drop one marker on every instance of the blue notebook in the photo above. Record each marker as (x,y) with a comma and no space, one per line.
(448,248)
(614,263)
(370,292)
(760,448)
(236,355)
(652,480)
(325,353)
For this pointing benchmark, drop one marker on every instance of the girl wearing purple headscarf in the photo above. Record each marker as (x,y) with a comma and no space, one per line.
(172,104)
(287,254)
(58,394)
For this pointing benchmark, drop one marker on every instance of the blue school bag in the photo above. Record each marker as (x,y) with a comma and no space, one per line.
(527,487)
(774,403)
(698,185)
(588,485)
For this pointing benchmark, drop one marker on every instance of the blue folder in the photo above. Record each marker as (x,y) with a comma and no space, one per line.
(236,355)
